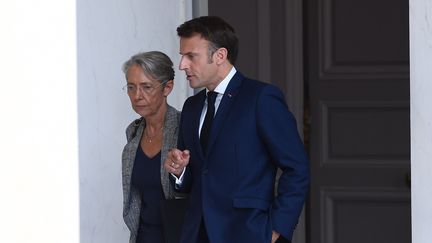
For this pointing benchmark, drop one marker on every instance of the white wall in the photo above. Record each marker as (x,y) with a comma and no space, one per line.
(109,32)
(421,119)
(63,112)
(38,132)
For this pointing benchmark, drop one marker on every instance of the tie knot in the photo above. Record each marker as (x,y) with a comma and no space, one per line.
(211,97)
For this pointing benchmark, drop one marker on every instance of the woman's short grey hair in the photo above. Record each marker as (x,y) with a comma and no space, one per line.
(155,64)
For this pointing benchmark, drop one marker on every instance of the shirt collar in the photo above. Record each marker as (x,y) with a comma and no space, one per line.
(222,86)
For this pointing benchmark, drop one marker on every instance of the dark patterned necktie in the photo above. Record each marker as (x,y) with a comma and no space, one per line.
(208,120)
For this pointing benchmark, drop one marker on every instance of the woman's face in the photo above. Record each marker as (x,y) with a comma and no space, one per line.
(146,95)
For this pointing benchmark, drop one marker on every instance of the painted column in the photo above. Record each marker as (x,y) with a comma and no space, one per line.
(39,122)
(421,118)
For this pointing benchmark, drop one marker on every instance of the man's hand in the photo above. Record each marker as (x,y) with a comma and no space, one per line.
(275,236)
(176,161)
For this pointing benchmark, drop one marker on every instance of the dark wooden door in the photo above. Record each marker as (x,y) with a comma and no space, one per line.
(357,75)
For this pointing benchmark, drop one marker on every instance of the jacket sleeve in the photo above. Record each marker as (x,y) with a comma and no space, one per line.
(277,127)
(184,186)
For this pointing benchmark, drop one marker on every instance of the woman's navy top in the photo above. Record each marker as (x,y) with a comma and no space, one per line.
(146,178)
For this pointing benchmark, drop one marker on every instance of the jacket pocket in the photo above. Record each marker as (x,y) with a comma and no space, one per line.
(251,203)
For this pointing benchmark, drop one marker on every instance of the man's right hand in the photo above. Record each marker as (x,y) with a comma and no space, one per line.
(176,161)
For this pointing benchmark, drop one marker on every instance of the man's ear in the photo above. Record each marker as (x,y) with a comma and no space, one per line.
(221,55)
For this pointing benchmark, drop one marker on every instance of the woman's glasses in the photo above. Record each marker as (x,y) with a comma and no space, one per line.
(144,88)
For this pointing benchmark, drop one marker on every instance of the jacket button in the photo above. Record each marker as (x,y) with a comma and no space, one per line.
(204,171)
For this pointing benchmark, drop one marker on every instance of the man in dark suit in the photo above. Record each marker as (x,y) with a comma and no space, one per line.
(233,136)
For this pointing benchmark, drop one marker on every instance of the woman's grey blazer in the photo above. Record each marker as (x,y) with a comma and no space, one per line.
(131,196)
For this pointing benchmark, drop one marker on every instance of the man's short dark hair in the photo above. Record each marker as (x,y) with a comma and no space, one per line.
(215,30)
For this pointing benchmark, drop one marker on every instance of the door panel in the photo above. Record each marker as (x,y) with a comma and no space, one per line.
(365,215)
(357,76)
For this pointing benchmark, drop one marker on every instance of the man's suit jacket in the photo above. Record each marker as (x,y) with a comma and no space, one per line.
(232,187)
(131,195)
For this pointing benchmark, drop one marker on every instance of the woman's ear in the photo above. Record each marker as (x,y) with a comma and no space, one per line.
(168,88)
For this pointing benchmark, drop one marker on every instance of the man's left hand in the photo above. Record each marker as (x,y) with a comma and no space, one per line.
(275,236)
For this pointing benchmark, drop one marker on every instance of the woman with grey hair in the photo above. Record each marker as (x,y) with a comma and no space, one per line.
(150,79)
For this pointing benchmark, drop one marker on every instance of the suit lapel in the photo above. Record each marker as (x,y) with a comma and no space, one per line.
(197,110)
(224,107)
(169,141)
(129,157)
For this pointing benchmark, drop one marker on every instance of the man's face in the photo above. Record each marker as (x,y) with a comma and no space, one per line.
(200,68)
